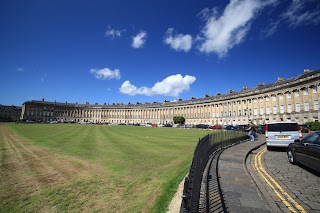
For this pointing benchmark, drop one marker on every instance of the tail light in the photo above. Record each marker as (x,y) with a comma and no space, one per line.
(299,130)
(266,131)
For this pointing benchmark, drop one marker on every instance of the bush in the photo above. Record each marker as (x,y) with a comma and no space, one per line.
(314,126)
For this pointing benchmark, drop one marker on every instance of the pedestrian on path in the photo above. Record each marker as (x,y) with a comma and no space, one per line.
(250,130)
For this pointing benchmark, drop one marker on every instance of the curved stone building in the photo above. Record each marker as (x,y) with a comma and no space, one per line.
(294,99)
(9,113)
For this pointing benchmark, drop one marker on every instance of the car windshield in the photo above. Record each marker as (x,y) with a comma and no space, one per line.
(282,127)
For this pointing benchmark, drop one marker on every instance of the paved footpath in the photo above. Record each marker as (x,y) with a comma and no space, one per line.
(240,191)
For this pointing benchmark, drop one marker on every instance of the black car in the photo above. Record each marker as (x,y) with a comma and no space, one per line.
(202,126)
(306,151)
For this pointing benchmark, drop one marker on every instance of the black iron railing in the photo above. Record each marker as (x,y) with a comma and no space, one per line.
(206,146)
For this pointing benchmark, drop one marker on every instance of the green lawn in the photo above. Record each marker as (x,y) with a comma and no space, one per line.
(128,169)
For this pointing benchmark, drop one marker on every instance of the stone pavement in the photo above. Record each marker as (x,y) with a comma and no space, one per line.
(240,191)
(299,182)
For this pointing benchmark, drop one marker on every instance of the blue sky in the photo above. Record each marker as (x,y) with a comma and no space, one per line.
(117,51)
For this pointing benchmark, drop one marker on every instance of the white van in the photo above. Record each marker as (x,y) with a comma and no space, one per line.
(281,134)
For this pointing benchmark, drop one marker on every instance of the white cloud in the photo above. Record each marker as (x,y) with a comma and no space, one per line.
(220,34)
(206,13)
(112,33)
(179,42)
(269,30)
(105,73)
(173,85)
(20,69)
(297,13)
(43,78)
(139,40)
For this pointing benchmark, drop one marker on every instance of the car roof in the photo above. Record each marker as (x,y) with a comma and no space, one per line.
(282,122)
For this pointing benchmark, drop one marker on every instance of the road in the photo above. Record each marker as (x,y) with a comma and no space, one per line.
(286,187)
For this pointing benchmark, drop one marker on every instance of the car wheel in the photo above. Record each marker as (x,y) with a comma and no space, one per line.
(291,157)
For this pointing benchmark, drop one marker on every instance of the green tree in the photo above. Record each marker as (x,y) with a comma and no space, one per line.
(179,120)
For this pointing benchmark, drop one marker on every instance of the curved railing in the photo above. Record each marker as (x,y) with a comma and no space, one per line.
(206,147)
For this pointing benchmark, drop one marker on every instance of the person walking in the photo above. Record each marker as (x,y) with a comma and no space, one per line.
(250,130)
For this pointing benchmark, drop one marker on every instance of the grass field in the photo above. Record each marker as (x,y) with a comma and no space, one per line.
(92,168)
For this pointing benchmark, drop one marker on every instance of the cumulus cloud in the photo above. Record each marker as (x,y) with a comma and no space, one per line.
(139,40)
(112,33)
(178,42)
(222,33)
(105,73)
(298,13)
(173,85)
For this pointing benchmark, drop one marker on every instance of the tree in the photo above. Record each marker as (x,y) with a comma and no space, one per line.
(314,126)
(179,120)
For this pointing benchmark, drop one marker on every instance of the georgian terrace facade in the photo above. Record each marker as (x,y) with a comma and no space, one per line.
(294,99)
(10,113)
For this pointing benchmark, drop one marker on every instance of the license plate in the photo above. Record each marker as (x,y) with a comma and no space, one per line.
(283,136)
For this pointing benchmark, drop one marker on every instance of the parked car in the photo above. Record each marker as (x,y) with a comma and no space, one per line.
(306,151)
(242,127)
(189,126)
(230,127)
(281,134)
(168,125)
(216,127)
(260,129)
(202,126)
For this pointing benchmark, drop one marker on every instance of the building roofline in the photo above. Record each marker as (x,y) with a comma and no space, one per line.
(261,88)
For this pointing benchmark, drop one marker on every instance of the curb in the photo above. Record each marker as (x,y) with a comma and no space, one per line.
(260,190)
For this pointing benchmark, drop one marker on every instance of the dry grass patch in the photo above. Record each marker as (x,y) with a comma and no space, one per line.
(39,180)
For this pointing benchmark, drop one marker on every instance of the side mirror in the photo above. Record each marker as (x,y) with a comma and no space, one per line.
(297,141)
